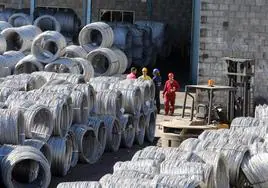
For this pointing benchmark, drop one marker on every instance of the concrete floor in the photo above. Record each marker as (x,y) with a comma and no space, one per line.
(87,172)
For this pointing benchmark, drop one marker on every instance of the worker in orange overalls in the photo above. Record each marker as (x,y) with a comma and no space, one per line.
(169,94)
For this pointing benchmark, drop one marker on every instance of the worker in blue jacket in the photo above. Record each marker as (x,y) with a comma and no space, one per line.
(157,82)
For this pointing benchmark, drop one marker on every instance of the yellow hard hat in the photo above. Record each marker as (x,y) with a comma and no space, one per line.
(144,69)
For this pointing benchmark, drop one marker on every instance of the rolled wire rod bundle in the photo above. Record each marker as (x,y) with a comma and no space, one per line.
(146,96)
(150,120)
(48,46)
(25,166)
(244,138)
(28,64)
(87,143)
(73,51)
(123,61)
(47,22)
(109,181)
(128,130)
(214,134)
(152,155)
(89,47)
(234,154)
(20,19)
(101,132)
(3,43)
(171,181)
(260,131)
(61,150)
(41,146)
(10,59)
(72,78)
(113,132)
(139,124)
(80,107)
(98,33)
(109,102)
(150,84)
(47,76)
(219,166)
(20,38)
(99,86)
(75,155)
(131,97)
(255,169)
(133,174)
(189,144)
(63,65)
(80,184)
(38,119)
(258,147)
(4,25)
(261,112)
(12,127)
(197,171)
(243,122)
(85,67)
(104,61)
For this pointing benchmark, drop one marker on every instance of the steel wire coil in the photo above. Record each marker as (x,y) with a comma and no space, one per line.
(98,33)
(28,64)
(258,147)
(75,155)
(10,59)
(36,169)
(133,174)
(47,22)
(122,59)
(61,150)
(109,102)
(42,146)
(139,124)
(192,170)
(244,122)
(261,112)
(150,123)
(3,43)
(255,169)
(86,68)
(20,19)
(122,37)
(104,61)
(89,47)
(80,184)
(87,143)
(114,181)
(73,51)
(37,119)
(48,46)
(152,155)
(12,127)
(20,38)
(99,86)
(219,166)
(4,25)
(101,132)
(164,181)
(145,166)
(63,65)
(145,92)
(128,130)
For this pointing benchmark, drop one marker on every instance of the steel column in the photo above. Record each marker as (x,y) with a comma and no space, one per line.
(33,5)
(87,10)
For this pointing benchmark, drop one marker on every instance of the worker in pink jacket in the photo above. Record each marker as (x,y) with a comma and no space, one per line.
(133,73)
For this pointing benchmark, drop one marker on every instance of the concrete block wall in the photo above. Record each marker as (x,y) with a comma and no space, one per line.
(237,28)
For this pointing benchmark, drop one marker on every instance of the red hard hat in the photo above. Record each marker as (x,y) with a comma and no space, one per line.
(170,74)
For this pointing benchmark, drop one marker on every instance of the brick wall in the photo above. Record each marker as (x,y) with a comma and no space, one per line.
(237,28)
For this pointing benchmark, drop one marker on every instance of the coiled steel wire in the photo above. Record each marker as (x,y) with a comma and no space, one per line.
(243,122)
(101,132)
(122,37)
(104,61)
(3,43)
(99,86)
(150,123)
(47,22)
(114,181)
(11,58)
(128,130)
(258,147)
(163,181)
(63,65)
(109,102)
(80,184)
(73,51)
(33,163)
(150,84)
(261,112)
(139,124)
(20,19)
(89,47)
(75,155)
(144,155)
(12,127)
(48,46)
(20,38)
(37,119)
(28,64)
(61,150)
(87,143)
(123,61)
(98,33)
(133,174)
(86,68)
(41,146)
(4,25)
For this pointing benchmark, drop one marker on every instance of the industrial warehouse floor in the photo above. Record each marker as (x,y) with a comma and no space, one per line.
(87,172)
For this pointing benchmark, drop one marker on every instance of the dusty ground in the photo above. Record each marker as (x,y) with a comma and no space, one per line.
(86,172)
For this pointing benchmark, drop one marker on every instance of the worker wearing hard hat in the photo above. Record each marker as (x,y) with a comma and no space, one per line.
(169,94)
(144,75)
(157,82)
